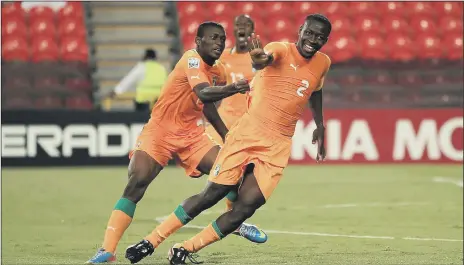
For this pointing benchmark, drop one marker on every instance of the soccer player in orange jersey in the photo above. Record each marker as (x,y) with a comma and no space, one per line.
(237,64)
(258,146)
(174,129)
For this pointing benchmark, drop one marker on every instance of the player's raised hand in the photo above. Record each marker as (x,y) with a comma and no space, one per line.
(255,48)
(318,137)
(242,86)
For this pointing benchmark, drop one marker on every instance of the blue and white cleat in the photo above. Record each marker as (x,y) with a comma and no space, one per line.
(251,232)
(102,256)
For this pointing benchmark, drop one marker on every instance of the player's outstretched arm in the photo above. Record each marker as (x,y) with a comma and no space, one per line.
(211,113)
(209,94)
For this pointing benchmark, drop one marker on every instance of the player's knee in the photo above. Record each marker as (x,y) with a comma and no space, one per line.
(213,194)
(242,211)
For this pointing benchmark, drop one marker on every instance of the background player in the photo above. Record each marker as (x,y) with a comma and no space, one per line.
(259,144)
(237,64)
(185,98)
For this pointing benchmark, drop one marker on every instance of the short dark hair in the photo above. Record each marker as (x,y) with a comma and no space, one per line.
(149,54)
(204,25)
(320,18)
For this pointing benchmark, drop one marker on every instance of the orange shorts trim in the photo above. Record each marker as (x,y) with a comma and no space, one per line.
(162,147)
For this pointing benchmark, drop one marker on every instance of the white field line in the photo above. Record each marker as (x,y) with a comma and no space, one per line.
(454,181)
(162,218)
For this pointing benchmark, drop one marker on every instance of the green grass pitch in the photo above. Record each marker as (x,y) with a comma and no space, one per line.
(394,214)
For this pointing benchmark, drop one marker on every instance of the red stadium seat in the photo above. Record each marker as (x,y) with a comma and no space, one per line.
(400,47)
(341,24)
(419,8)
(394,23)
(79,102)
(70,27)
(278,8)
(15,49)
(219,9)
(186,9)
(366,23)
(452,43)
(304,8)
(330,9)
(44,49)
(17,102)
(448,9)
(391,8)
(48,102)
(363,8)
(451,24)
(341,48)
(281,24)
(12,10)
(190,25)
(422,23)
(41,12)
(78,84)
(74,49)
(14,27)
(72,10)
(43,27)
(227,23)
(372,47)
(249,8)
(429,46)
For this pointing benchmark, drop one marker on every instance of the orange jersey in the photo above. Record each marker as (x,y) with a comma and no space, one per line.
(178,107)
(237,66)
(280,92)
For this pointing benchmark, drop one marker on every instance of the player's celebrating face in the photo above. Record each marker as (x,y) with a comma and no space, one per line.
(243,28)
(211,41)
(313,34)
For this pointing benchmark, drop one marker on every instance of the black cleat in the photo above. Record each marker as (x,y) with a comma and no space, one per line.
(139,251)
(177,256)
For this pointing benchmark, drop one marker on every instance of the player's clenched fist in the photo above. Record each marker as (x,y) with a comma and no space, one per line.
(257,54)
(242,86)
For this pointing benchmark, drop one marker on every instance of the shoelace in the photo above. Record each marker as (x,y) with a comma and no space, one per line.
(192,257)
(247,230)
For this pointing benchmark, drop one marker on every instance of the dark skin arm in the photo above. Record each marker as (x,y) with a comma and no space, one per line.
(211,113)
(315,103)
(209,94)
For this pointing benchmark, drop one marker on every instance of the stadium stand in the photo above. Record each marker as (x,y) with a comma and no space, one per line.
(121,32)
(405,54)
(44,56)
(384,54)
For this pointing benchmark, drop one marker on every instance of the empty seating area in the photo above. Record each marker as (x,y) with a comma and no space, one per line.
(45,57)
(405,53)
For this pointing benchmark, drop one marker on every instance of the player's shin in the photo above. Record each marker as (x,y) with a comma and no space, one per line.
(208,236)
(120,219)
(174,222)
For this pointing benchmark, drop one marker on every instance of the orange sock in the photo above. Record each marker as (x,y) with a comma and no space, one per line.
(174,222)
(120,219)
(208,236)
(229,204)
